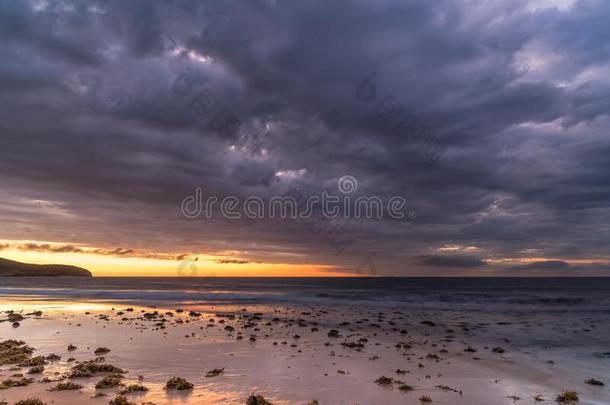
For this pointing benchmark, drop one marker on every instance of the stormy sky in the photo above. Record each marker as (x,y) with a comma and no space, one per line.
(104,130)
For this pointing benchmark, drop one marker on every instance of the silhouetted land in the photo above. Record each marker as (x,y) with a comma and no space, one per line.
(18,269)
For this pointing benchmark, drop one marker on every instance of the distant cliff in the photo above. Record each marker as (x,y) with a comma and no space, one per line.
(17,269)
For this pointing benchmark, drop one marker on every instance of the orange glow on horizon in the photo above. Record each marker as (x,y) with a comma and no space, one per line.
(206,266)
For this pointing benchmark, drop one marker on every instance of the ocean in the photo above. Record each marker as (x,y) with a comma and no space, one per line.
(472,294)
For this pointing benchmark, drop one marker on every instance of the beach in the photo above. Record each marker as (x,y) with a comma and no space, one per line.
(354,341)
(265,202)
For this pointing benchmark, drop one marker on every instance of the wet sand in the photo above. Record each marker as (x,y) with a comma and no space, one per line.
(290,354)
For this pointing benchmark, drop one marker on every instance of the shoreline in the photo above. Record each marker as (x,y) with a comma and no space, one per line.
(292,359)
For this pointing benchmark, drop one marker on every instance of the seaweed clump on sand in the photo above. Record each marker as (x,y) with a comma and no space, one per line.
(178,383)
(424,399)
(257,400)
(568,396)
(110,381)
(36,369)
(353,345)
(34,361)
(383,380)
(134,388)
(14,352)
(15,383)
(53,357)
(215,372)
(101,350)
(448,388)
(92,367)
(121,400)
(593,381)
(14,317)
(334,333)
(31,401)
(67,386)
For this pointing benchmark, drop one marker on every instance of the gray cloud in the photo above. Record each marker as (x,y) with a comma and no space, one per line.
(448,261)
(549,264)
(558,267)
(45,247)
(232,261)
(96,147)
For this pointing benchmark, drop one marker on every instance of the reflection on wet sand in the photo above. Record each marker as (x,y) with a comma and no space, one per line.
(96,352)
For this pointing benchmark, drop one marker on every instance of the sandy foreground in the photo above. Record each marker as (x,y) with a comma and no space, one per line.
(291,354)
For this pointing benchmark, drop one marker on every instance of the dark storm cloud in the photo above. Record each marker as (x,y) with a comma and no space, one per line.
(116,252)
(545,265)
(49,248)
(46,33)
(103,131)
(448,261)
(557,267)
(232,261)
(45,247)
